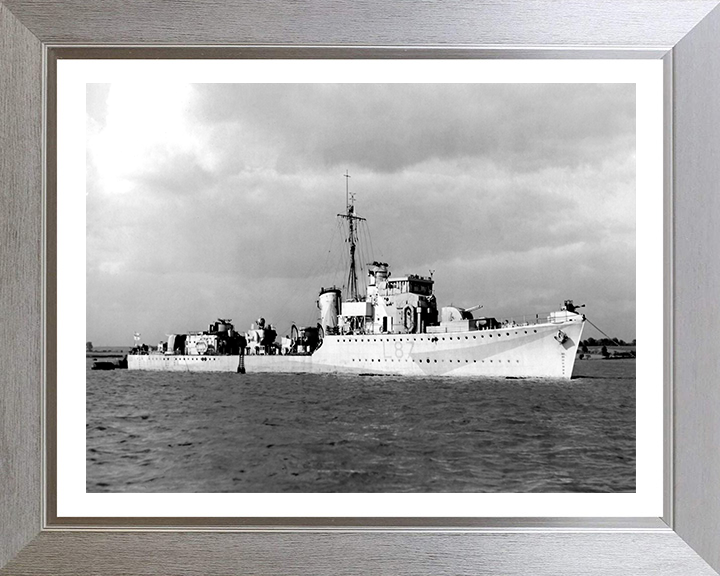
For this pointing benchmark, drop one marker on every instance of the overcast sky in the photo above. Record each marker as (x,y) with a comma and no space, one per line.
(220,200)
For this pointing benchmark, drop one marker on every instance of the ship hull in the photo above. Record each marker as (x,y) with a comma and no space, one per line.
(520,352)
(516,352)
(183,363)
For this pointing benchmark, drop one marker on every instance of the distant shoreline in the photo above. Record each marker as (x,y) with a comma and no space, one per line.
(108,352)
(613,353)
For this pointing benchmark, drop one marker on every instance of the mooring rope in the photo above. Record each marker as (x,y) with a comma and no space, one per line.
(601,332)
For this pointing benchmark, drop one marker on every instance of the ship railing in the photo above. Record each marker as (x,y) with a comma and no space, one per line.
(528,320)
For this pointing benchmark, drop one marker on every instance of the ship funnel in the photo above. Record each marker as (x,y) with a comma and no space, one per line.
(329,305)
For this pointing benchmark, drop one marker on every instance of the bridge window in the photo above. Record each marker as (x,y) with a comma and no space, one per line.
(421,288)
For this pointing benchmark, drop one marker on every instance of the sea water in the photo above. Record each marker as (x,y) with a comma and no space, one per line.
(224,432)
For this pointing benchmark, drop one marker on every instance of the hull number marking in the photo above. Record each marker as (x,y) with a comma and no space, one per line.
(397,349)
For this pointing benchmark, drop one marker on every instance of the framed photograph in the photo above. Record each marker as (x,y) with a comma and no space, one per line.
(433,399)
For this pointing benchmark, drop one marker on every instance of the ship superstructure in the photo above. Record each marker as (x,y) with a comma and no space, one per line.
(220,348)
(403,305)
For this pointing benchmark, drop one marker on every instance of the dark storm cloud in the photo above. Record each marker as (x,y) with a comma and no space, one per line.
(221,200)
(387,128)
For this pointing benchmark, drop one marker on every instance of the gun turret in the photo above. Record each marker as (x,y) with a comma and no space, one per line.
(571,307)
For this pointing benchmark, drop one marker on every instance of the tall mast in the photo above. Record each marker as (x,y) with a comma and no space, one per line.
(352,288)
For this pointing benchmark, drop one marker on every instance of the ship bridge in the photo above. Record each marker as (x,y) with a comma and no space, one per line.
(411,284)
(400,305)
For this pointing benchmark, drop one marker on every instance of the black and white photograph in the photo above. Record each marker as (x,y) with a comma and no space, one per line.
(361,287)
(351,288)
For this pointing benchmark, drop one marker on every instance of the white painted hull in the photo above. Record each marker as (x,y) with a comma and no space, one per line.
(185,363)
(519,352)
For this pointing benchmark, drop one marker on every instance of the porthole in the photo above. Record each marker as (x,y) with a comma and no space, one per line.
(507,334)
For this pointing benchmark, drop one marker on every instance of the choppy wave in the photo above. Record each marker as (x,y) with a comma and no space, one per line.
(184,432)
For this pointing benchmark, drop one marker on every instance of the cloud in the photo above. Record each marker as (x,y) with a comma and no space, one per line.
(388,128)
(211,200)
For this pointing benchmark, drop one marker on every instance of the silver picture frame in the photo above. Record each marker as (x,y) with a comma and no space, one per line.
(685,34)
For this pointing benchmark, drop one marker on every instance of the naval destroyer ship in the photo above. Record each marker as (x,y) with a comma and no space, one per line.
(396,327)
